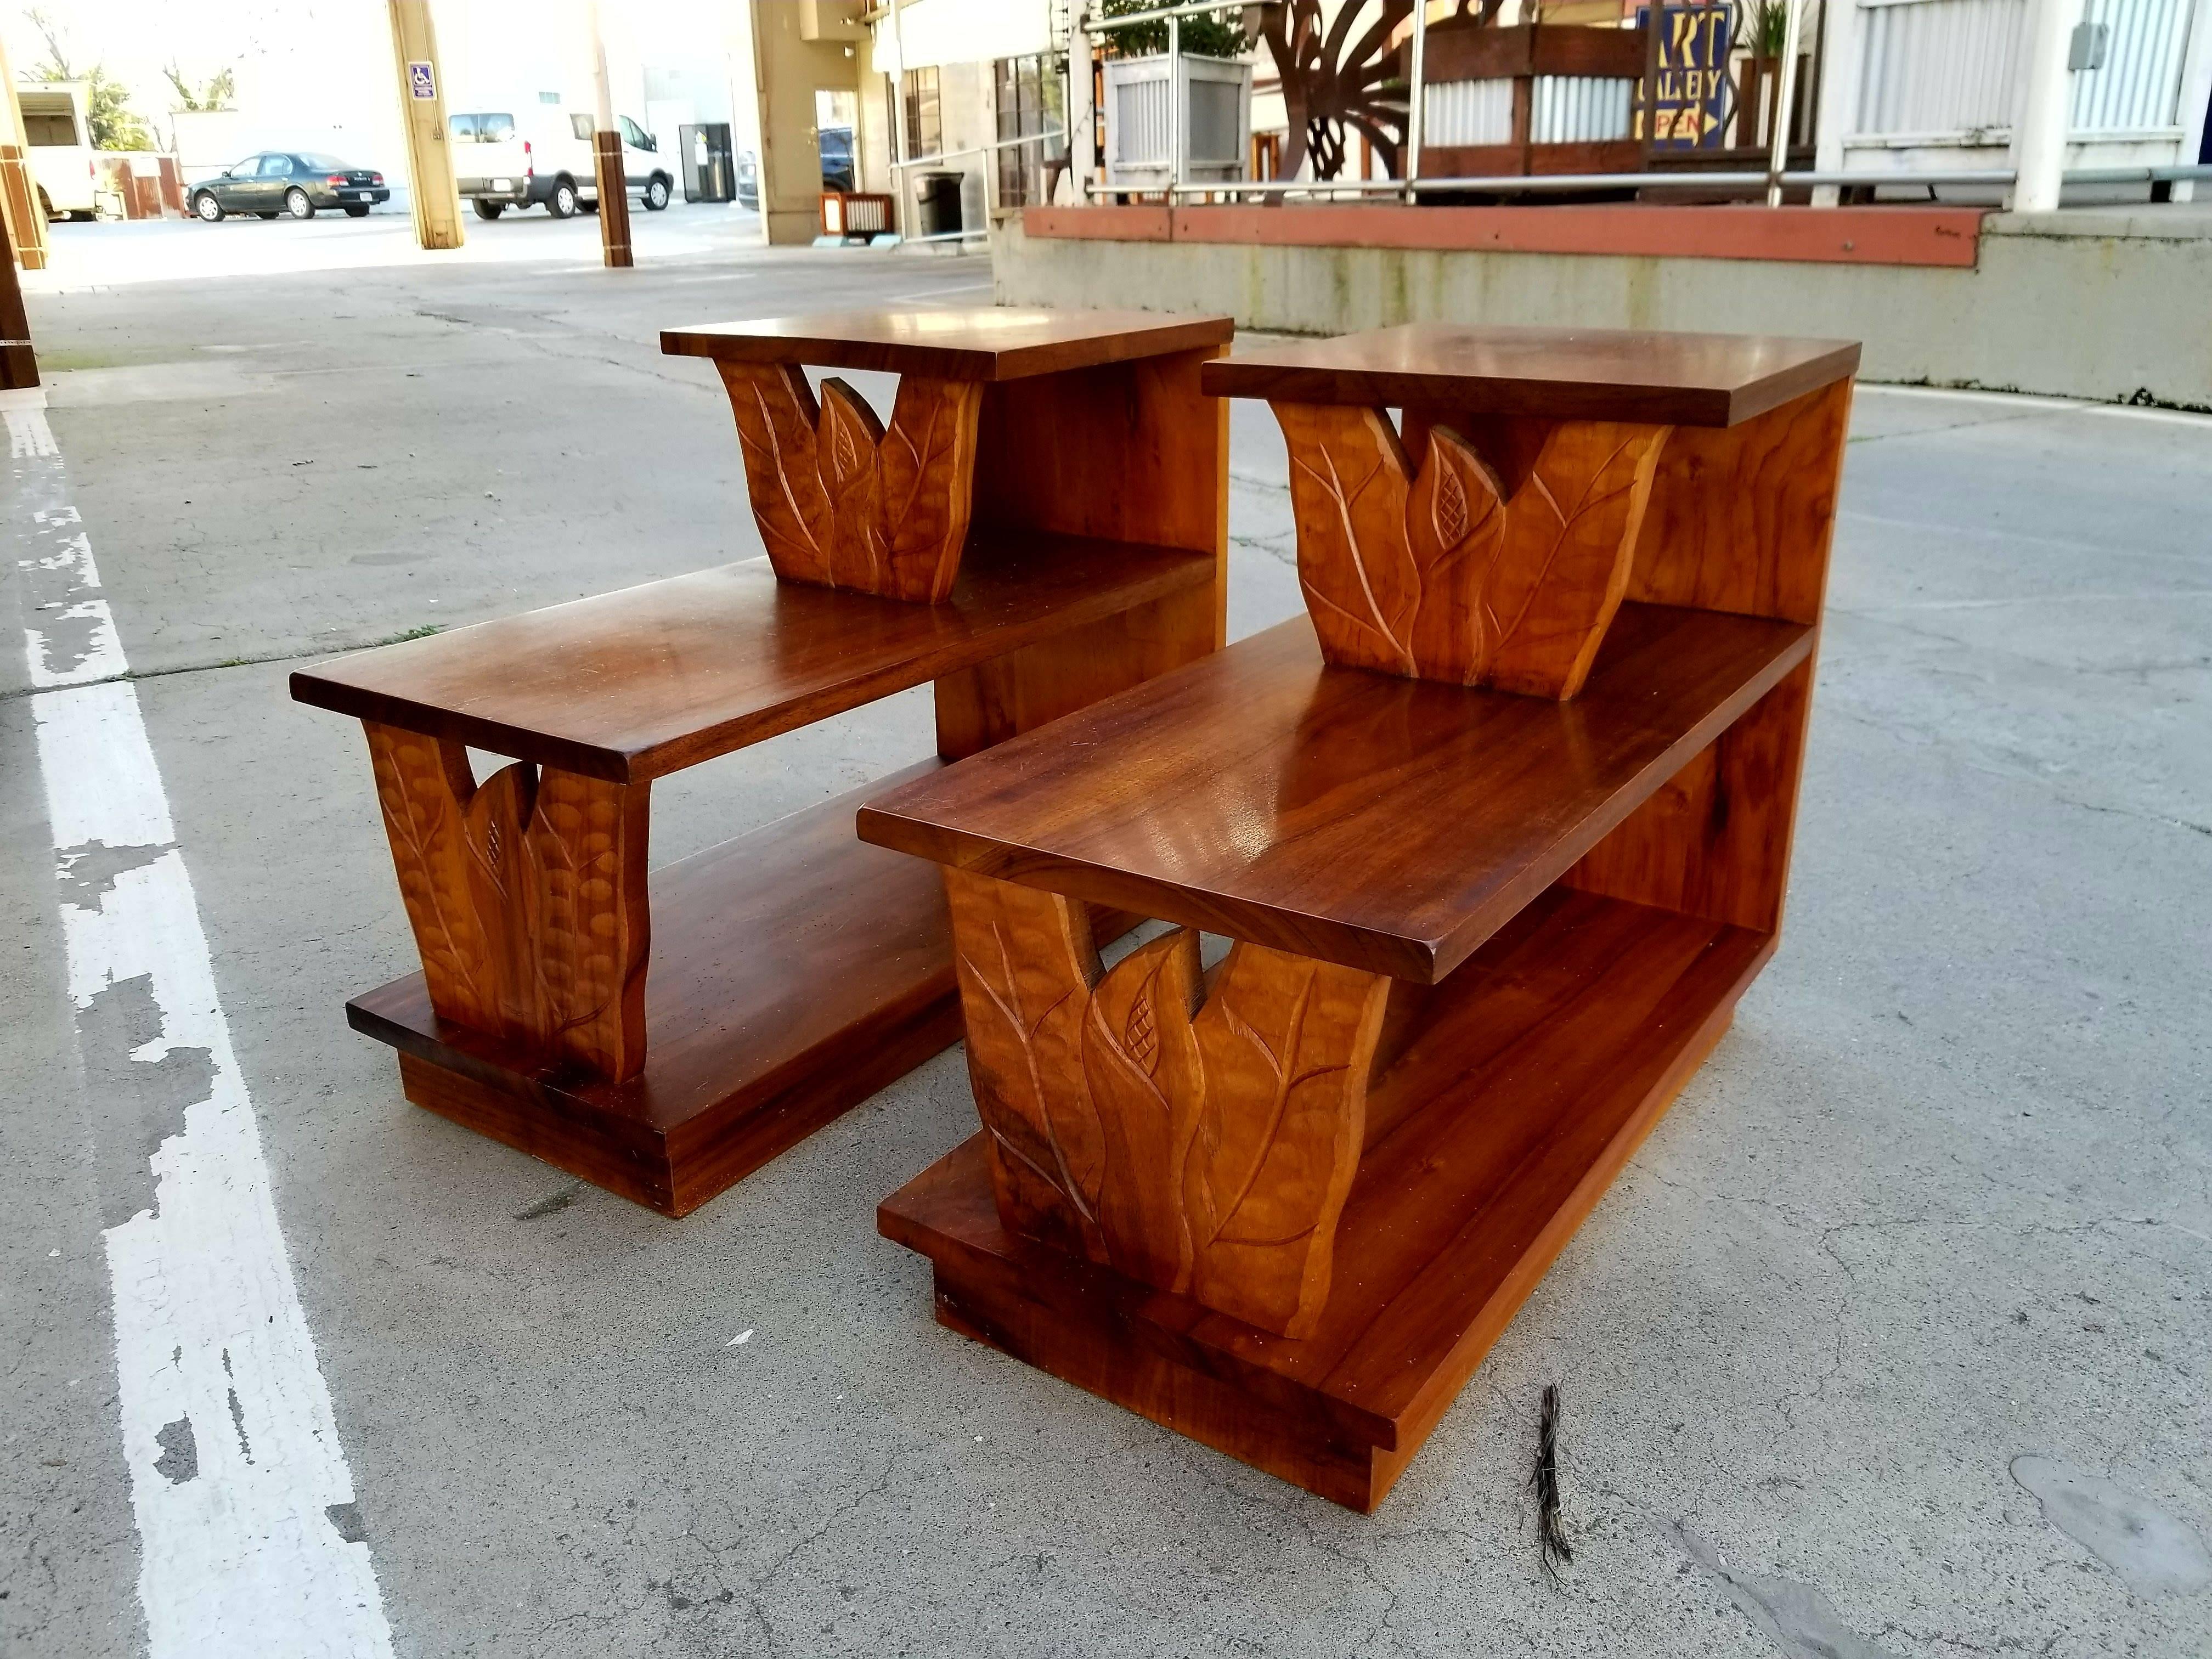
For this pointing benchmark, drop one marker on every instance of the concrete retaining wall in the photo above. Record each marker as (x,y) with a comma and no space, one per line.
(2103,304)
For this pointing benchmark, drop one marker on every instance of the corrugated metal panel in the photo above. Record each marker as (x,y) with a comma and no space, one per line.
(2139,85)
(1140,122)
(1939,66)
(1467,113)
(1579,109)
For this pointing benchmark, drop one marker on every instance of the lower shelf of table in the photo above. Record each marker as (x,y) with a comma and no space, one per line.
(1528,1080)
(794,972)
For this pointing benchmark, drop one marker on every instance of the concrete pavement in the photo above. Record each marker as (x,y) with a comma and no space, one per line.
(1942,1200)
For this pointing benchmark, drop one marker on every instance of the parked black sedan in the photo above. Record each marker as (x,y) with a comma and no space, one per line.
(293,182)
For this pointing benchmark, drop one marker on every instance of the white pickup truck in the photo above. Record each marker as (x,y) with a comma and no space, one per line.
(544,158)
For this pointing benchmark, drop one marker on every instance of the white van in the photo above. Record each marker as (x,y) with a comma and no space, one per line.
(545,158)
(59,147)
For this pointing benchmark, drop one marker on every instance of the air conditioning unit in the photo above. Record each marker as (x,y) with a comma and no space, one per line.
(1216,97)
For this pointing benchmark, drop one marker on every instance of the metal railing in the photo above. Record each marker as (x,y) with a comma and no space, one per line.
(1524,185)
(1774,180)
(990,182)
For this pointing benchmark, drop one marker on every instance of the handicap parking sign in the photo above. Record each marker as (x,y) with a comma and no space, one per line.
(421,83)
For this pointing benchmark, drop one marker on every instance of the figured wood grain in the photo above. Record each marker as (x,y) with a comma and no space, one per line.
(842,503)
(794,973)
(526,897)
(1131,452)
(1715,840)
(1741,520)
(1552,374)
(634,685)
(1535,1074)
(1199,1137)
(1384,823)
(1446,574)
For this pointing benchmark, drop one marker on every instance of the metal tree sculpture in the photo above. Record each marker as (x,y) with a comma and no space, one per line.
(1332,84)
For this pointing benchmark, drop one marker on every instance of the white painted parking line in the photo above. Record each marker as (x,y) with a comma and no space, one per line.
(250,1540)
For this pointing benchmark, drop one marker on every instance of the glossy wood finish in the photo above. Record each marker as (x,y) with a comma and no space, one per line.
(1537,1071)
(1125,453)
(1741,521)
(527,898)
(1198,1133)
(1595,374)
(1383,824)
(1450,573)
(634,685)
(794,972)
(842,503)
(1570,896)
(978,343)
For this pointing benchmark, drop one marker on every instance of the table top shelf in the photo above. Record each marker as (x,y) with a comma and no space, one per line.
(632,685)
(1556,374)
(1382,823)
(975,342)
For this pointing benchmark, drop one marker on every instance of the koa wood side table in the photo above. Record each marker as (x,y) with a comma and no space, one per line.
(1044,522)
(1500,833)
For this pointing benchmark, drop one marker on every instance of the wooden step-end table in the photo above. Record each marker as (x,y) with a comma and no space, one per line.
(1049,525)
(1498,834)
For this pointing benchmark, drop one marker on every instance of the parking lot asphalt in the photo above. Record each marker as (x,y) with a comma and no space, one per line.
(1939,1203)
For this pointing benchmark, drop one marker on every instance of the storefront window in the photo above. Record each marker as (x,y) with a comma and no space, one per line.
(1027,95)
(925,128)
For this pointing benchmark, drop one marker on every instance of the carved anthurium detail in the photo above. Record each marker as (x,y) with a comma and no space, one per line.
(1198,1137)
(526,897)
(842,503)
(1441,574)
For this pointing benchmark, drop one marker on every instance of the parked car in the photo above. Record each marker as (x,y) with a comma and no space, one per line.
(836,145)
(545,160)
(748,180)
(295,182)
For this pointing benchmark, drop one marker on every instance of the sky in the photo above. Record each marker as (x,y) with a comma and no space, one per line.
(320,72)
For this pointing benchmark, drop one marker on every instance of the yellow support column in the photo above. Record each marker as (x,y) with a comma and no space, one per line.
(19,196)
(423,111)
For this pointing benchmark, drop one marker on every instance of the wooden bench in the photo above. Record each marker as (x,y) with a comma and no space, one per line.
(1044,522)
(1500,833)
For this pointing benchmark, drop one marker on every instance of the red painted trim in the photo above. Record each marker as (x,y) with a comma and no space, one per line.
(1859,235)
(1111,224)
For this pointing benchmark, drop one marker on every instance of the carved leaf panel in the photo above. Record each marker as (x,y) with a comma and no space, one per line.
(851,473)
(1570,538)
(1286,1043)
(929,479)
(526,897)
(1026,965)
(1439,574)
(1349,485)
(420,785)
(776,418)
(1140,1057)
(1199,1139)
(842,503)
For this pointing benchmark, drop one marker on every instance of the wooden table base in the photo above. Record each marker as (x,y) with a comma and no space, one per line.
(794,973)
(1528,1082)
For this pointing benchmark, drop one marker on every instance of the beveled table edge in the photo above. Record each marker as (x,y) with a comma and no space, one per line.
(1308,377)
(1137,335)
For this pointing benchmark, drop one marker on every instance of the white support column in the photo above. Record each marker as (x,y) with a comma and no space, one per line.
(1416,97)
(1785,97)
(2039,117)
(1838,114)
(1175,105)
